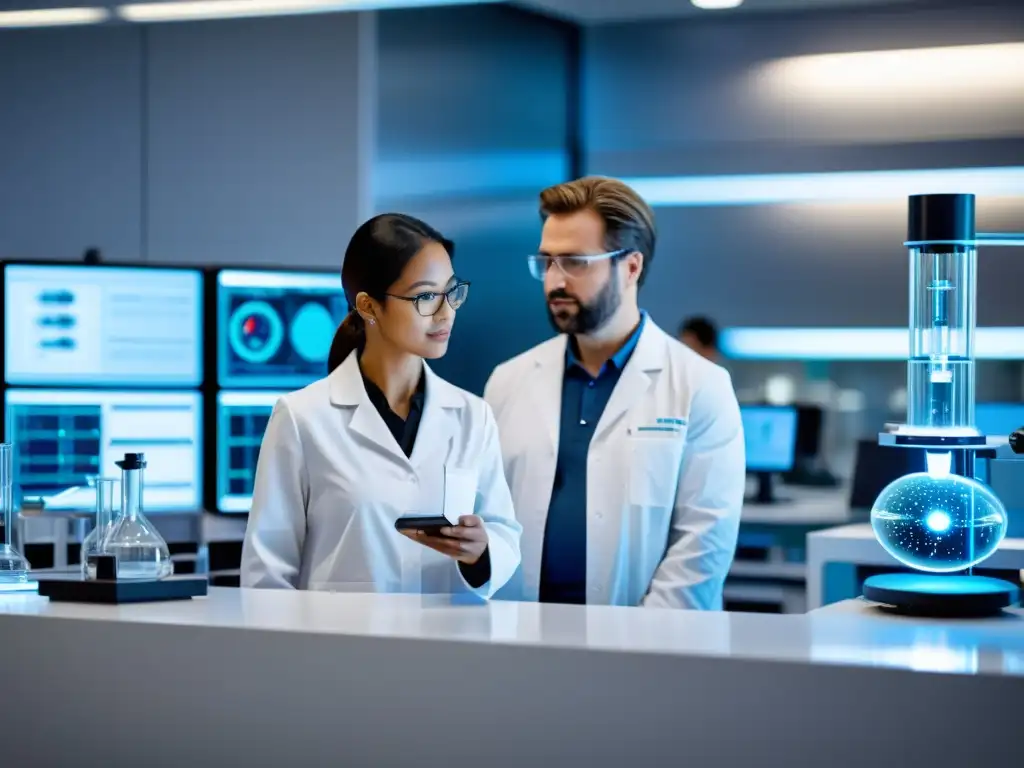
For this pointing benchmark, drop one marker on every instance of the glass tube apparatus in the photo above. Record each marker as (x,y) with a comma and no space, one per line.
(93,544)
(943,290)
(13,566)
(944,521)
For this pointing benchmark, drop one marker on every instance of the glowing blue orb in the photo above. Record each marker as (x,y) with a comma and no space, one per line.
(938,523)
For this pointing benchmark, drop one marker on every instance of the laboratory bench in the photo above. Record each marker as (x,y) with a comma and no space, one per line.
(199,541)
(768,573)
(272,678)
(840,558)
(798,554)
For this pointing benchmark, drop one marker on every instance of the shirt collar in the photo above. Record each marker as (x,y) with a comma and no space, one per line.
(619,359)
(379,400)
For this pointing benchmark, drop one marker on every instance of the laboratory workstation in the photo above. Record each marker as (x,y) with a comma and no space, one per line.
(526,382)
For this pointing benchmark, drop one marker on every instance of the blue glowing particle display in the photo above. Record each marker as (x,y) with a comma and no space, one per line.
(939,523)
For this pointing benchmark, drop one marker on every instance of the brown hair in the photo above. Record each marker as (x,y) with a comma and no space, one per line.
(628,220)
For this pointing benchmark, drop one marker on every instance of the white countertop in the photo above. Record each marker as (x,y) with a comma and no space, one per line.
(257,677)
(830,637)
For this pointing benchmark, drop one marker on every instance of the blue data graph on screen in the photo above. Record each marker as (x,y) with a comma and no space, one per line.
(102,326)
(275,329)
(242,419)
(64,437)
(769,434)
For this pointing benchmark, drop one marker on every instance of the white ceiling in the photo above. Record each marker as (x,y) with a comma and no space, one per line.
(606,11)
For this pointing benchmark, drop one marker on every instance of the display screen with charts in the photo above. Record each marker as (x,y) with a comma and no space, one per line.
(275,328)
(769,434)
(91,325)
(241,421)
(65,436)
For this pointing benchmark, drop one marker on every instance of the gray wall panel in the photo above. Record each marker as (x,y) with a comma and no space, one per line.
(70,142)
(253,137)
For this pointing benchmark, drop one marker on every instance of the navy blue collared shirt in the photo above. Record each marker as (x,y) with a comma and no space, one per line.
(563,570)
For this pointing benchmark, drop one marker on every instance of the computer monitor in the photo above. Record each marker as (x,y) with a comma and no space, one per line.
(241,421)
(274,329)
(809,422)
(878,465)
(998,419)
(62,437)
(769,434)
(91,325)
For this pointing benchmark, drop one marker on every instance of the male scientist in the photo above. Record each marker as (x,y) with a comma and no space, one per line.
(622,447)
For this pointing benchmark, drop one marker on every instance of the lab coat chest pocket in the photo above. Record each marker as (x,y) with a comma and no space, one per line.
(654,462)
(460,486)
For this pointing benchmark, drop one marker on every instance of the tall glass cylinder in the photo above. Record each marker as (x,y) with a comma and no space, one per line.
(940,370)
(13,566)
(943,297)
(93,544)
(7,490)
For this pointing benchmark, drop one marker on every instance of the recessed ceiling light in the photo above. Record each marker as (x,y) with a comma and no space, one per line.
(716,5)
(53,17)
(193,10)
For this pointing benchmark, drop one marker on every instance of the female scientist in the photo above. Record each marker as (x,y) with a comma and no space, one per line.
(383,438)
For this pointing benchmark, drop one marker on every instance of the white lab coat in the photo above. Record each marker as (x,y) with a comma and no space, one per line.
(331,481)
(663,507)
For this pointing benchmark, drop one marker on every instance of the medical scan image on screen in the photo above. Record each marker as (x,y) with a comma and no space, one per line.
(275,329)
(64,437)
(102,326)
(241,421)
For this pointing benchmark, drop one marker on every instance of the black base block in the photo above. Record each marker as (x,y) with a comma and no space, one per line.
(115,592)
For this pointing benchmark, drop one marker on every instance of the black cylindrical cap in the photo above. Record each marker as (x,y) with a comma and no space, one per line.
(132,461)
(941,217)
(1017,441)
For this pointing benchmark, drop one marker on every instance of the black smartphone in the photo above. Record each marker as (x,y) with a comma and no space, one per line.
(430,525)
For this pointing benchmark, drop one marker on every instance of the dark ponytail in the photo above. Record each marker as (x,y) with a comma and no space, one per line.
(351,334)
(375,258)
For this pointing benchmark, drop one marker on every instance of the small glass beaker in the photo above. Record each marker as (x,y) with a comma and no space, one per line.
(13,566)
(94,543)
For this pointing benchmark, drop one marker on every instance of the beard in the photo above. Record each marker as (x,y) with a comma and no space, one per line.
(588,317)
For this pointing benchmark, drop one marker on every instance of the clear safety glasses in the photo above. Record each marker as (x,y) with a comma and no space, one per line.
(570,266)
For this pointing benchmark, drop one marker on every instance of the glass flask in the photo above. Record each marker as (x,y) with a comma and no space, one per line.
(938,522)
(141,552)
(14,567)
(93,544)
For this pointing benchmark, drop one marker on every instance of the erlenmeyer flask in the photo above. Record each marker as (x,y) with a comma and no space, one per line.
(141,552)
(13,566)
(93,543)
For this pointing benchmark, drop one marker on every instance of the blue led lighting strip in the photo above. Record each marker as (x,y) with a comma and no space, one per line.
(1003,343)
(842,186)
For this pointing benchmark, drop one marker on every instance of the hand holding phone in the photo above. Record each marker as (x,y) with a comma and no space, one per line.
(465,542)
(431,524)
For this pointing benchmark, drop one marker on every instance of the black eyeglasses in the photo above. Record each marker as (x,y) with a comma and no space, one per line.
(428,304)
